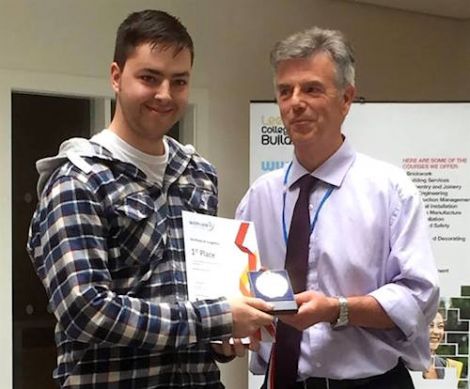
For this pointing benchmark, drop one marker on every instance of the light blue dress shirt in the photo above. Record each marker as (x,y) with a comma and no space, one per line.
(371,238)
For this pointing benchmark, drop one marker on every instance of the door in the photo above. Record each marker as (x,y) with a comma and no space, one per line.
(39,124)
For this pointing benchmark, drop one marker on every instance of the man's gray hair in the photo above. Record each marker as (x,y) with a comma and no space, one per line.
(316,40)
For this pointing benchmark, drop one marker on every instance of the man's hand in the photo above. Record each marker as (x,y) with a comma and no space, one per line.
(235,347)
(230,348)
(364,311)
(248,315)
(313,308)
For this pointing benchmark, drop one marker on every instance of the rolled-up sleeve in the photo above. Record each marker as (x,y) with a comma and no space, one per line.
(411,297)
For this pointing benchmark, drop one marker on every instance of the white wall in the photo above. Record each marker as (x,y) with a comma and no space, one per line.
(401,56)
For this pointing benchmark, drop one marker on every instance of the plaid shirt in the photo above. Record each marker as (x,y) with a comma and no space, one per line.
(108,247)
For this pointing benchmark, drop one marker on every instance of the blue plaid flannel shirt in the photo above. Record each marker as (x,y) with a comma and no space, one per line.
(108,247)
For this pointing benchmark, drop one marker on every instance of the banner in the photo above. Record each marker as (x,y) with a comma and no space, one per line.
(431,142)
(270,146)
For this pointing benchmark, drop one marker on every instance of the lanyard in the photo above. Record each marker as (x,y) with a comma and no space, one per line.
(317,212)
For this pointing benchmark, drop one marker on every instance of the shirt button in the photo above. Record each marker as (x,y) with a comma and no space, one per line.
(318,364)
(310,206)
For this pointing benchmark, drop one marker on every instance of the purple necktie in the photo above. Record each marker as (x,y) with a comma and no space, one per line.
(287,347)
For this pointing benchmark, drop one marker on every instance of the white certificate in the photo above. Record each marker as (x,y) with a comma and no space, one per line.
(219,253)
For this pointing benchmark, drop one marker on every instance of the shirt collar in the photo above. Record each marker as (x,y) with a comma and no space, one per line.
(178,159)
(332,171)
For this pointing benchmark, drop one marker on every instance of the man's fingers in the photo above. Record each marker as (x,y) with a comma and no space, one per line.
(217,348)
(262,307)
(248,315)
(230,348)
(295,322)
(287,319)
(226,348)
(254,343)
(259,304)
(238,347)
(303,297)
(223,348)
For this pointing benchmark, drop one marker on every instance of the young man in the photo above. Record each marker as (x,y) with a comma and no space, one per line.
(106,238)
(351,231)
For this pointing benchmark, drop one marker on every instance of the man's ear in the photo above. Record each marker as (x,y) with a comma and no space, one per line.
(116,74)
(348,97)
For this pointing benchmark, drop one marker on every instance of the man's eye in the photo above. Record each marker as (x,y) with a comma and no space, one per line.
(284,92)
(180,82)
(313,89)
(148,79)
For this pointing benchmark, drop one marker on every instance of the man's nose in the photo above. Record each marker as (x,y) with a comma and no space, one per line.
(163,91)
(297,99)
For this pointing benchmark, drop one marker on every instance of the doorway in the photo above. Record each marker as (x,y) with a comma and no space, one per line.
(39,124)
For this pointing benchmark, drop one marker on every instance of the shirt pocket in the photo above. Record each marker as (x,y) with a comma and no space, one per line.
(199,199)
(138,231)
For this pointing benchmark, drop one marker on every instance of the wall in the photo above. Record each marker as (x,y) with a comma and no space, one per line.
(401,56)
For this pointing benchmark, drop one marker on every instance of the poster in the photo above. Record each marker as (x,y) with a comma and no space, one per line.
(270,146)
(431,142)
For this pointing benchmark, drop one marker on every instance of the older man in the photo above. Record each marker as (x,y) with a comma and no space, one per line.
(351,231)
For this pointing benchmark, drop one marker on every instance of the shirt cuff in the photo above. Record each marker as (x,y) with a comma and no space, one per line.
(215,319)
(402,309)
(258,364)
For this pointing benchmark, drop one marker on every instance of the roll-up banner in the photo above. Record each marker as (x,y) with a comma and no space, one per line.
(431,142)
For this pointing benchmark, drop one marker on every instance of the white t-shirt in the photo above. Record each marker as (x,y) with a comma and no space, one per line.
(152,165)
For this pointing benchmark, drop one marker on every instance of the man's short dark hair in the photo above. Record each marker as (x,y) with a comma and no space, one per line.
(150,26)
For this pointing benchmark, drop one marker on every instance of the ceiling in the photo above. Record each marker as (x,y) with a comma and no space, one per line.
(456,9)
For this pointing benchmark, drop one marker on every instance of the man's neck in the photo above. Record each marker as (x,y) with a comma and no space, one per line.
(313,157)
(147,146)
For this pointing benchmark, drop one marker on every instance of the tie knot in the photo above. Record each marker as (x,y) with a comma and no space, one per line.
(306,183)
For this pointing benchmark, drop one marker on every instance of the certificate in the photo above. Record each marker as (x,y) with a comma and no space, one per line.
(220,253)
